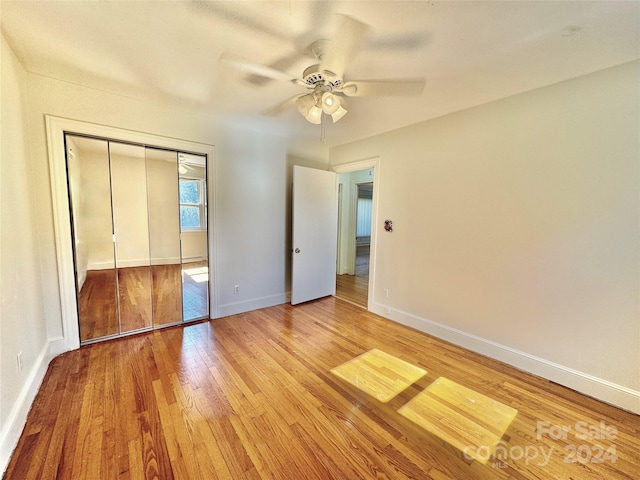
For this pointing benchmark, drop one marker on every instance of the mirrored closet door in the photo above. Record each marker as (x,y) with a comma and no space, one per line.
(193,221)
(139,227)
(164,235)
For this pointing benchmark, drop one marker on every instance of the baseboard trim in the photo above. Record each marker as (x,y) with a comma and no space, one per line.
(60,345)
(140,262)
(17,418)
(186,260)
(227,309)
(599,388)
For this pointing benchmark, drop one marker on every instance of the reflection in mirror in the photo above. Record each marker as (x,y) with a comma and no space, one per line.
(90,193)
(193,228)
(131,228)
(164,235)
(139,226)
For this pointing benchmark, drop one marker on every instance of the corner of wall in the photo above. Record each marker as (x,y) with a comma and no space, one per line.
(17,418)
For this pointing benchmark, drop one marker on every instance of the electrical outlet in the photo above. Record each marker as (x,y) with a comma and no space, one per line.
(19,361)
(386,293)
(236,289)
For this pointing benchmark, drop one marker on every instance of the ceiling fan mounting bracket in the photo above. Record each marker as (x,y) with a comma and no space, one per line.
(319,47)
(313,76)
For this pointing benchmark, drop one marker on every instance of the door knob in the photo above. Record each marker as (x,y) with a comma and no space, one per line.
(297,250)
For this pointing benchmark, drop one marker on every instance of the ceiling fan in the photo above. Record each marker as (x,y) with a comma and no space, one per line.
(189,163)
(324,81)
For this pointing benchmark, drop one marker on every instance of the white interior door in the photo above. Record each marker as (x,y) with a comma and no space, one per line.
(315,233)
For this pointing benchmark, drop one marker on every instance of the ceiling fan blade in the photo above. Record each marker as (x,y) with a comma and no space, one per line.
(349,38)
(255,68)
(281,107)
(280,64)
(383,88)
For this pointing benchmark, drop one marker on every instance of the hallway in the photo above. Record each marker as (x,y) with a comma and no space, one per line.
(354,288)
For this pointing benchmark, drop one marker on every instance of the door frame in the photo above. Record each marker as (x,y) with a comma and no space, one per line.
(373,163)
(56,128)
(338,249)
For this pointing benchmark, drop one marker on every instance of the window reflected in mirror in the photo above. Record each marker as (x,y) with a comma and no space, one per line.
(193,234)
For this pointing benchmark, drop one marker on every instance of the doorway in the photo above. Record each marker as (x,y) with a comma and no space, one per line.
(355,235)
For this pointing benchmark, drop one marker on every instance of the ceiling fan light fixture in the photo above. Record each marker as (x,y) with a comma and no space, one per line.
(339,113)
(330,103)
(315,115)
(305,103)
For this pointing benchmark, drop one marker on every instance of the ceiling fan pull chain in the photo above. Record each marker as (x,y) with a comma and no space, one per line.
(322,131)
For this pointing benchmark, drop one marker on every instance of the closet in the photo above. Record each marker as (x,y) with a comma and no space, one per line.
(139,235)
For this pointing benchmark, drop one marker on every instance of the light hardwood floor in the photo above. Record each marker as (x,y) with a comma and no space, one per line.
(146,297)
(355,288)
(251,396)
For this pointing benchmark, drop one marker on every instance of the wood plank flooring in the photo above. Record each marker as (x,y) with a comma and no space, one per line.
(195,298)
(134,298)
(97,305)
(166,281)
(146,297)
(251,396)
(355,288)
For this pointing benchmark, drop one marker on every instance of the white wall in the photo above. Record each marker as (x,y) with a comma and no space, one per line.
(129,199)
(250,208)
(92,194)
(22,319)
(194,245)
(164,210)
(516,228)
(250,188)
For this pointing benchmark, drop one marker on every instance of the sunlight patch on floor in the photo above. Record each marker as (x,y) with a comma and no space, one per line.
(198,274)
(379,374)
(468,420)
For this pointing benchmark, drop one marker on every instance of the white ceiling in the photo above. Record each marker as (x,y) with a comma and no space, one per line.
(469,53)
